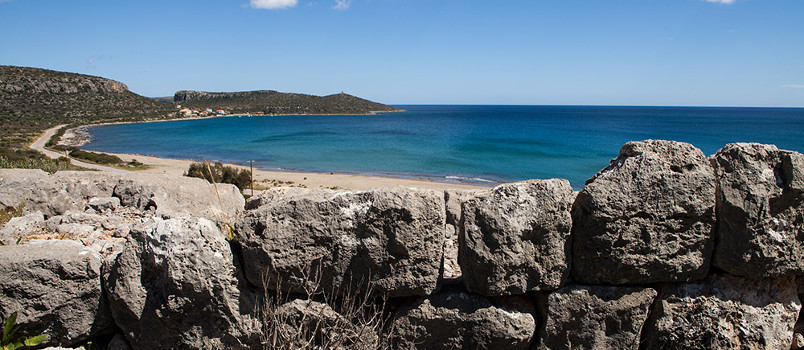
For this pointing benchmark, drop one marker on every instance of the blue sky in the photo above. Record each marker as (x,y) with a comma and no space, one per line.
(577,52)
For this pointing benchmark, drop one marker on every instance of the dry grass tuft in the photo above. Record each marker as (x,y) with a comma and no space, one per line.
(346,319)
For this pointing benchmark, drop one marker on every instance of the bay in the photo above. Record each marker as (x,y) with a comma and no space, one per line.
(484,144)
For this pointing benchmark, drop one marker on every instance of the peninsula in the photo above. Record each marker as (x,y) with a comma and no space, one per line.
(274,102)
(33,100)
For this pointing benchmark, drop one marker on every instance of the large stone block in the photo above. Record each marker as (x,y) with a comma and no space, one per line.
(53,194)
(725,312)
(19,227)
(176,195)
(16,184)
(456,319)
(163,195)
(327,240)
(175,286)
(594,317)
(647,217)
(55,288)
(760,210)
(515,238)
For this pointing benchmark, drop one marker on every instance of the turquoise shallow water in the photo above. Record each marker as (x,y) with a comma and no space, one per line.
(467,143)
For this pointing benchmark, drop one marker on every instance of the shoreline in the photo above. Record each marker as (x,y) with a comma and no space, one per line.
(81,129)
(311,180)
(277,178)
(370,113)
(262,177)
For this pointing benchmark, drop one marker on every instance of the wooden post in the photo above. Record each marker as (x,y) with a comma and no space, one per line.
(251,165)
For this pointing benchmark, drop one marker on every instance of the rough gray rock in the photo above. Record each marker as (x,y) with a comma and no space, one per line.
(52,194)
(81,218)
(177,195)
(798,329)
(646,218)
(594,317)
(515,238)
(100,232)
(725,312)
(164,195)
(175,286)
(274,193)
(103,204)
(15,182)
(760,209)
(20,226)
(798,341)
(118,343)
(456,319)
(451,270)
(55,287)
(453,201)
(393,239)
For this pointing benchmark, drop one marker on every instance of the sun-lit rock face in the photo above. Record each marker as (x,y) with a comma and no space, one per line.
(647,217)
(760,210)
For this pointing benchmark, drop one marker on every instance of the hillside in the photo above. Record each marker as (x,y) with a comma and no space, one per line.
(33,99)
(273,102)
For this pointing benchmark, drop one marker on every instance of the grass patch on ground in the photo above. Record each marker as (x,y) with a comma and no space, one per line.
(133,165)
(48,165)
(6,214)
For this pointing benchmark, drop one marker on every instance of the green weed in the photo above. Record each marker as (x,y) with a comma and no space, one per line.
(7,214)
(10,343)
(48,165)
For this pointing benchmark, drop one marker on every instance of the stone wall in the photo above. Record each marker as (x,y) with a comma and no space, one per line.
(664,248)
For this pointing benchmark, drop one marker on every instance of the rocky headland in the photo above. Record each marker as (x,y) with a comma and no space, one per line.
(274,102)
(663,249)
(33,100)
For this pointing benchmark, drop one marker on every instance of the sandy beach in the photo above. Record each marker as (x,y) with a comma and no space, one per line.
(263,178)
(309,179)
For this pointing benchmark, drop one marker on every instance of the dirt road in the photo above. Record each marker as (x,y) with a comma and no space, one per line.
(39,145)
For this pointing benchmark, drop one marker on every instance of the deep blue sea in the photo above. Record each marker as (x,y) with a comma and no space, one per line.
(475,143)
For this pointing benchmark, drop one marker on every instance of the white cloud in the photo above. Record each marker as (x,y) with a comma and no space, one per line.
(273,4)
(724,2)
(793,86)
(342,4)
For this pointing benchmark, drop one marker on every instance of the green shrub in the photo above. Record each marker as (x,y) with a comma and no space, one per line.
(221,174)
(54,140)
(9,343)
(99,158)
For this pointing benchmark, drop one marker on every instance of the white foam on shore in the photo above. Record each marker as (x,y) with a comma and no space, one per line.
(470,179)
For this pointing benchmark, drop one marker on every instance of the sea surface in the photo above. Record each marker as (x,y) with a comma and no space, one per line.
(481,144)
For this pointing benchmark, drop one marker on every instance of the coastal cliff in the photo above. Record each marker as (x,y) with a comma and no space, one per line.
(664,248)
